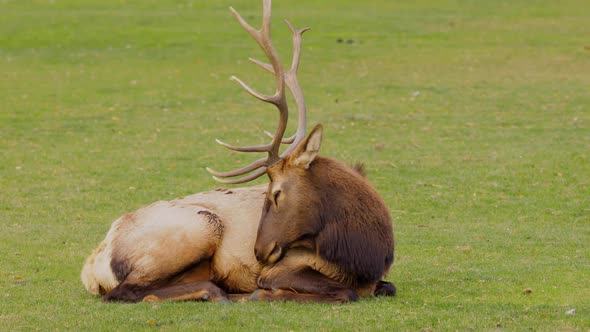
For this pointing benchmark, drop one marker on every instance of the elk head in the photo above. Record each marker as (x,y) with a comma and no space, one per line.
(290,217)
(328,208)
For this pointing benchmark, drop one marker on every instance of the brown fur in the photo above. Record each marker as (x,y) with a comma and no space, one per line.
(330,210)
(356,229)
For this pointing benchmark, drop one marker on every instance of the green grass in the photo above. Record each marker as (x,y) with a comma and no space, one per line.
(473,119)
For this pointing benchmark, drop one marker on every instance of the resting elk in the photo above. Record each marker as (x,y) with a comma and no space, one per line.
(318,232)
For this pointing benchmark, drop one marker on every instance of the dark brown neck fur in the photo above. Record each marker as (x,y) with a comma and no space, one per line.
(356,228)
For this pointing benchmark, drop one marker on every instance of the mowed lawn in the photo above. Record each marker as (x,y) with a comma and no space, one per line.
(472,118)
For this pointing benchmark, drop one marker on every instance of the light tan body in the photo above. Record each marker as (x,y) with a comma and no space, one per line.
(162,239)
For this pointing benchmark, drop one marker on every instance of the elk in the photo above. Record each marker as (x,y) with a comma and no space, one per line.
(317,232)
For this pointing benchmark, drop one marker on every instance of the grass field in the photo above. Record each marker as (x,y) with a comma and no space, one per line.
(472,117)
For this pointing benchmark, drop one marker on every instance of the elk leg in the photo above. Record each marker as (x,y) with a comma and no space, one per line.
(195,291)
(125,292)
(191,284)
(302,285)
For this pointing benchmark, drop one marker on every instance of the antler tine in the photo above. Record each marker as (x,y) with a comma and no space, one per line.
(288,140)
(297,37)
(248,178)
(244,170)
(255,148)
(269,99)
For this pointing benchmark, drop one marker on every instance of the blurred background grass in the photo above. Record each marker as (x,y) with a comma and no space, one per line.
(473,119)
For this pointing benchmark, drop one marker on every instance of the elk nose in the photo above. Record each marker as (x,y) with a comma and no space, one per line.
(275,255)
(269,254)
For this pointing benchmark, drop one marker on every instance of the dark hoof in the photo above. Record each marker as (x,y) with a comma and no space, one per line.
(350,296)
(344,296)
(256,295)
(385,288)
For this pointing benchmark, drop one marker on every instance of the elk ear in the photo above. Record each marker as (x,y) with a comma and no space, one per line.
(307,150)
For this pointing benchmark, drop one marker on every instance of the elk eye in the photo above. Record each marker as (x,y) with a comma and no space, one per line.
(275,197)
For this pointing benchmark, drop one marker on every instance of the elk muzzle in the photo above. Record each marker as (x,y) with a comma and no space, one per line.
(268,254)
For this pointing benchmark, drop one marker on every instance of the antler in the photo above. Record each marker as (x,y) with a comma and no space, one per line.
(282,77)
